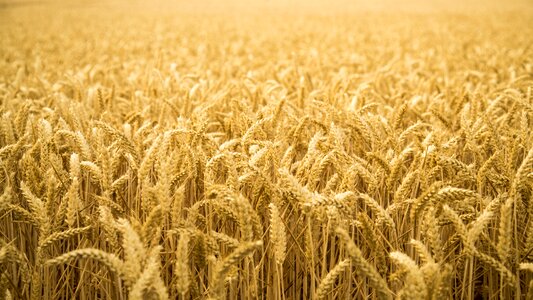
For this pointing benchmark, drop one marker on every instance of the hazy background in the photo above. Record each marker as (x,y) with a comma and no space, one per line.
(284,6)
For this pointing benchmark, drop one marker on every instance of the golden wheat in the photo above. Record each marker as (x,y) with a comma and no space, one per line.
(266,149)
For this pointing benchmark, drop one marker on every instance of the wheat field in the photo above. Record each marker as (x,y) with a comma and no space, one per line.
(266,150)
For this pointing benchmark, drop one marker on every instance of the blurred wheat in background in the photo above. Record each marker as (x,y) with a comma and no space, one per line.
(266,150)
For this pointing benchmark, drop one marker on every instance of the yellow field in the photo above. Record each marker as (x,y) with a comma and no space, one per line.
(267,150)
